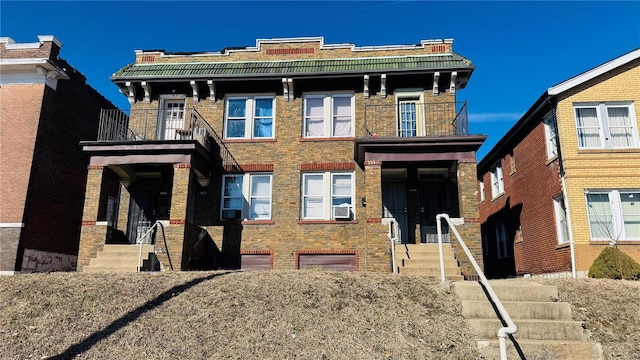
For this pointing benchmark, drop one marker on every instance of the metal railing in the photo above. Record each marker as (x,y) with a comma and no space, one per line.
(150,235)
(184,124)
(416,119)
(503,332)
(394,238)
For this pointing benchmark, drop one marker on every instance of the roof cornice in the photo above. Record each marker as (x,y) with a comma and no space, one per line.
(595,72)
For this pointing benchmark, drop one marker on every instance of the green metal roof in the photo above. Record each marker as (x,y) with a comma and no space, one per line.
(292,67)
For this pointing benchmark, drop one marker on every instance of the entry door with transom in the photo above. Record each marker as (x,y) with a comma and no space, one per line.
(410,122)
(142,208)
(394,202)
(172,119)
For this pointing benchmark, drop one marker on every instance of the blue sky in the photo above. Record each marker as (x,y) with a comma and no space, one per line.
(519,48)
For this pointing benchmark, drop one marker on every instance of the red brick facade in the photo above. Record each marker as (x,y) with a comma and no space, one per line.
(43,170)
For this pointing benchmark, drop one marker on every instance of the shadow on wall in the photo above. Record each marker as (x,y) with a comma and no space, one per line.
(499,233)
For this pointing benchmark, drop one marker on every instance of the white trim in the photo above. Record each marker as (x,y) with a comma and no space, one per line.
(102,223)
(595,72)
(8,273)
(11,225)
(319,40)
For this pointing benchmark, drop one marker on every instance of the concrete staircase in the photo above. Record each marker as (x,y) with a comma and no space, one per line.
(119,258)
(424,259)
(546,329)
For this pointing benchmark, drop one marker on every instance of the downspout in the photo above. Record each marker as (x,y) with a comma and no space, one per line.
(565,197)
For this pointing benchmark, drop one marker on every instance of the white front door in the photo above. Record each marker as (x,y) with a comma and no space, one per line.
(173,119)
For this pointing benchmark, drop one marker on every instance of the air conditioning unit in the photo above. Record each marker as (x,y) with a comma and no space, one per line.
(231,214)
(341,212)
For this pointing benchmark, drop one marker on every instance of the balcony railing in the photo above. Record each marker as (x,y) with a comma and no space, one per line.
(412,119)
(176,124)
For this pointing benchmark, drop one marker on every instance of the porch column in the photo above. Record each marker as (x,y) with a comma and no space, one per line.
(377,254)
(469,210)
(92,237)
(177,217)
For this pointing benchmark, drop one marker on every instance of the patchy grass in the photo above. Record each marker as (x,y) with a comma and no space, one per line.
(610,310)
(219,315)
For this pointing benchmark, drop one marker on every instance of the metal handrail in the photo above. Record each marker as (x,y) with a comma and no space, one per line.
(164,239)
(393,238)
(503,332)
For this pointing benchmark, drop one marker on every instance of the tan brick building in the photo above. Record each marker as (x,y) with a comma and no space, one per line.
(46,109)
(564,182)
(290,154)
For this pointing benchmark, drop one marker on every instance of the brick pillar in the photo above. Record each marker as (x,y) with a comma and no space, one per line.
(175,232)
(92,237)
(377,254)
(373,184)
(469,210)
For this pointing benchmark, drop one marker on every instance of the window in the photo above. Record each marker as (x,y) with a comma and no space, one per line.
(614,215)
(497,183)
(172,115)
(562,227)
(606,125)
(249,117)
(551,134)
(249,195)
(321,192)
(482,198)
(328,115)
(501,241)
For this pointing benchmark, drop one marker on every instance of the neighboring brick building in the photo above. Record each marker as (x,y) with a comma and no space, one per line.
(567,175)
(289,154)
(46,109)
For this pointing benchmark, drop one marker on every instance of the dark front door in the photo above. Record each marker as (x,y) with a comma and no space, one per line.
(142,208)
(434,197)
(394,204)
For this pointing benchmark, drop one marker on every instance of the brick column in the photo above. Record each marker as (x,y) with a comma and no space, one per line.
(177,217)
(92,237)
(377,254)
(469,210)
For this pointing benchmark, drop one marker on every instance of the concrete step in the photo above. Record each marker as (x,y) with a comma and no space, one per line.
(532,329)
(422,248)
(126,261)
(448,262)
(518,310)
(435,276)
(126,248)
(543,349)
(101,269)
(430,269)
(507,290)
(425,255)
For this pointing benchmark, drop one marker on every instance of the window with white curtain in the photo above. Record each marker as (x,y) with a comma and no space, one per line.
(328,115)
(249,117)
(614,214)
(249,193)
(551,134)
(606,125)
(497,181)
(562,226)
(321,191)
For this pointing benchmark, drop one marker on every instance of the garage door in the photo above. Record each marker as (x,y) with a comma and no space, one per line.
(255,262)
(334,262)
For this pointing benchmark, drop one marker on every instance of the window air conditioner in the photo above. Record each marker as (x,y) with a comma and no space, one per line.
(231,214)
(341,211)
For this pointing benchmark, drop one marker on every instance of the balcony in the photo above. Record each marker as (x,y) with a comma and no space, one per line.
(410,119)
(178,125)
(410,131)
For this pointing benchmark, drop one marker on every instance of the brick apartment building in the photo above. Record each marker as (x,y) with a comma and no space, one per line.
(290,154)
(566,178)
(46,109)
